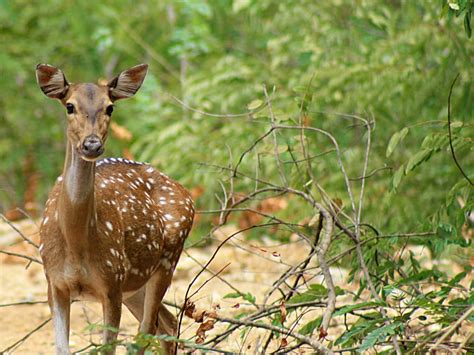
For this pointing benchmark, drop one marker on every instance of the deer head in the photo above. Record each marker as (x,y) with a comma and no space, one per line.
(89,106)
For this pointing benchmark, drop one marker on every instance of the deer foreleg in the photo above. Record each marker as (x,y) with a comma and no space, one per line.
(60,304)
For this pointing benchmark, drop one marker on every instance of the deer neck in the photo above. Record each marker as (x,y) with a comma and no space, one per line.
(77,212)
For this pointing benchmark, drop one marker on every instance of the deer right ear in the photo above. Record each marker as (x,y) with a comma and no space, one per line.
(127,83)
(52,81)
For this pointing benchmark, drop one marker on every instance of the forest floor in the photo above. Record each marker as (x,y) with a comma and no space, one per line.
(251,267)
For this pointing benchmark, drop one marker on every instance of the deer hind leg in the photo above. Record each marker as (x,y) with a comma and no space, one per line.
(167,323)
(60,305)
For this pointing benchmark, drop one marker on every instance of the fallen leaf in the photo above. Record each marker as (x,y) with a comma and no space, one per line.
(283,343)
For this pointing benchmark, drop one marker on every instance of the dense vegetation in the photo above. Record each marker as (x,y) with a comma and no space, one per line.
(272,62)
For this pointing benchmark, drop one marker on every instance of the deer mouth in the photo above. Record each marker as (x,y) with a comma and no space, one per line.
(91,157)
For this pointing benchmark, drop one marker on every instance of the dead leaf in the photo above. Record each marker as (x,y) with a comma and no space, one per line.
(283,343)
(322,333)
(338,204)
(207,325)
(127,154)
(212,314)
(120,132)
(198,315)
(189,309)
(196,192)
(283,312)
(203,328)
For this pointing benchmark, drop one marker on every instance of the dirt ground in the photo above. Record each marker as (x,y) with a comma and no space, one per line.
(251,268)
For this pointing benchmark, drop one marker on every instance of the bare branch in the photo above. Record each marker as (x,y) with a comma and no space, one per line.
(275,142)
(314,344)
(20,233)
(26,336)
(450,134)
(31,259)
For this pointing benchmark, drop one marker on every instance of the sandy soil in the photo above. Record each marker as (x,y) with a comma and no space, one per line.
(250,267)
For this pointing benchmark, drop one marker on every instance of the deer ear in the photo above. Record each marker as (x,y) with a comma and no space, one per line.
(127,83)
(52,81)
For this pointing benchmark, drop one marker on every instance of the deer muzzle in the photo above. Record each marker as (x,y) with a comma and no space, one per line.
(92,147)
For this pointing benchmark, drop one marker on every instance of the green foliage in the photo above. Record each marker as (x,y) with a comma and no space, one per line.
(311,326)
(459,8)
(390,62)
(315,292)
(378,334)
(318,56)
(245,296)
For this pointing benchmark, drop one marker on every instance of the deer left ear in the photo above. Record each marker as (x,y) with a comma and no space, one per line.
(127,83)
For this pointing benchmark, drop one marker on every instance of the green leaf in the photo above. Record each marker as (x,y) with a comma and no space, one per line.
(397,177)
(467,24)
(350,308)
(445,230)
(246,296)
(315,292)
(396,138)
(378,334)
(417,159)
(422,275)
(455,280)
(309,327)
(457,124)
(254,104)
(249,297)
(361,327)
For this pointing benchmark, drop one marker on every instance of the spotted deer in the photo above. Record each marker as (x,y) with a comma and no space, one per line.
(113,229)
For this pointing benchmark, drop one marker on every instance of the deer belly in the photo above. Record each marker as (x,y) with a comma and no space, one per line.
(82,284)
(82,292)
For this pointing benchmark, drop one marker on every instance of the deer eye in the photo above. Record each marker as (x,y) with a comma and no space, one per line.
(109,110)
(70,108)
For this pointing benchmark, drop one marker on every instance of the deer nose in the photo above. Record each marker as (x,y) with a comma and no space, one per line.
(92,146)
